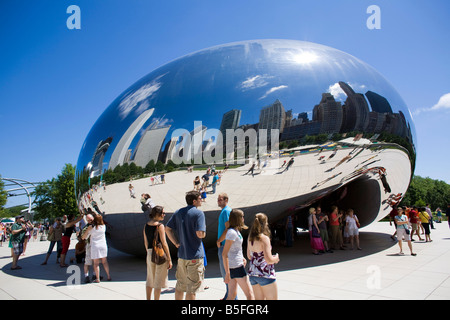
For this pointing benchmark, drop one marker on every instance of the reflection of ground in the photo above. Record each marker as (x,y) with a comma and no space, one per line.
(300,275)
(269,184)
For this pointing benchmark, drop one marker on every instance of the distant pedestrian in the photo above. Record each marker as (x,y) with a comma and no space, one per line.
(251,170)
(18,231)
(314,233)
(425,221)
(447,213)
(322,220)
(54,236)
(335,232)
(403,231)
(353,228)
(186,229)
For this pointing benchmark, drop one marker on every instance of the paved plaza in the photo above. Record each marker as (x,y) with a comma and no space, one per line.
(375,273)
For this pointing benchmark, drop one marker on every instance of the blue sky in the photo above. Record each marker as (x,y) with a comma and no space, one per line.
(55,82)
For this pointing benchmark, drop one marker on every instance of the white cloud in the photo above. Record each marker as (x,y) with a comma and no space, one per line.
(337,92)
(272,90)
(255,82)
(139,99)
(340,95)
(442,104)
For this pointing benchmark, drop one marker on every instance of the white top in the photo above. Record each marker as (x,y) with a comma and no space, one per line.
(351,222)
(235,255)
(99,249)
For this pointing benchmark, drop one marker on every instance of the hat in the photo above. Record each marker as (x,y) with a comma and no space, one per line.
(19,216)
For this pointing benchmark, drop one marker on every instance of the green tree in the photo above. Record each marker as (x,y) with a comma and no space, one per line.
(56,197)
(43,200)
(3,196)
(423,191)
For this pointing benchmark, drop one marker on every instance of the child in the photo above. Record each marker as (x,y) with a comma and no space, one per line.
(203,194)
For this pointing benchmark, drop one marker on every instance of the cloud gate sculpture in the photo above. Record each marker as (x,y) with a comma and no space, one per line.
(288,124)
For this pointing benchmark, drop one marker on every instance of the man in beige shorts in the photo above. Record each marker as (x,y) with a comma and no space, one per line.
(186,229)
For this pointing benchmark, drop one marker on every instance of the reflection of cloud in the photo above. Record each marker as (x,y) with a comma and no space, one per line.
(339,94)
(257,81)
(272,90)
(443,103)
(139,99)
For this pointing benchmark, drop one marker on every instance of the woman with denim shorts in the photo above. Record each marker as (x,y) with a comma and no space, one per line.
(233,258)
(261,268)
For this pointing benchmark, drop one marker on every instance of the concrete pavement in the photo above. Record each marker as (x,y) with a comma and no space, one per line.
(376,272)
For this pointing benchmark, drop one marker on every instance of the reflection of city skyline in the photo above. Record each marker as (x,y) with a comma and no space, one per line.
(330,116)
(369,112)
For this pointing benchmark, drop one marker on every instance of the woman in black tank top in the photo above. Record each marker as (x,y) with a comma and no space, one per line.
(157,275)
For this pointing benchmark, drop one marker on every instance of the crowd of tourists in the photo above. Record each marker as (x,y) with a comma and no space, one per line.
(186,228)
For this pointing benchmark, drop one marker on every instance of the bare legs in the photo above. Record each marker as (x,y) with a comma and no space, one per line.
(104,261)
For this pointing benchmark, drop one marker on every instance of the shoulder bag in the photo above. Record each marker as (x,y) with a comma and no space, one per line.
(158,254)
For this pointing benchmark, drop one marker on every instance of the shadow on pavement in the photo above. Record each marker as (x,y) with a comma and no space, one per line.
(125,267)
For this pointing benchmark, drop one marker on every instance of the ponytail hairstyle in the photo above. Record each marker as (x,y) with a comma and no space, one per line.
(260,226)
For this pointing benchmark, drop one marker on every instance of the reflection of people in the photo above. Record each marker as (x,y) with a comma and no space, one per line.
(131,189)
(261,267)
(289,164)
(157,275)
(214,182)
(186,229)
(196,183)
(251,170)
(233,258)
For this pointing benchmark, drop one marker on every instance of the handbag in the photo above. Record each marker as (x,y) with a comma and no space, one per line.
(51,236)
(315,232)
(357,222)
(158,254)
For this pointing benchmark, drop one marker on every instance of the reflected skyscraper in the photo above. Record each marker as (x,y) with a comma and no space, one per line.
(329,113)
(120,151)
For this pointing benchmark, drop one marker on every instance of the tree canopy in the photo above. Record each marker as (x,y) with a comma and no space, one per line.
(56,197)
(424,191)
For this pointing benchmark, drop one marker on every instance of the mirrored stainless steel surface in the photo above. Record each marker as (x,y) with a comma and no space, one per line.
(349,133)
